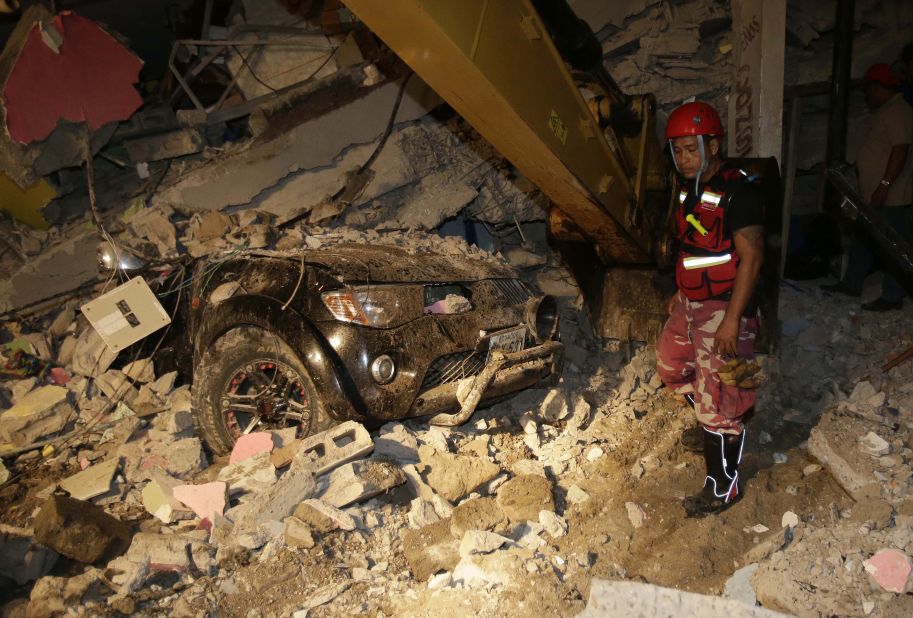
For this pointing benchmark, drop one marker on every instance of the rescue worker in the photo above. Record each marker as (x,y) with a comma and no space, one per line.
(712,318)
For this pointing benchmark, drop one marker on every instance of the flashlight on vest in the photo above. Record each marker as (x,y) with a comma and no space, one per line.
(697,224)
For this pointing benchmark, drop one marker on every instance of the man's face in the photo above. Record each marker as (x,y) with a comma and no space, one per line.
(876,94)
(687,153)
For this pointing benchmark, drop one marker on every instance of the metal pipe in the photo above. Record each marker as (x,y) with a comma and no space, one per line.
(840,83)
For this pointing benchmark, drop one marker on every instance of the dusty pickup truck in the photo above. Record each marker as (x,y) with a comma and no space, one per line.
(310,338)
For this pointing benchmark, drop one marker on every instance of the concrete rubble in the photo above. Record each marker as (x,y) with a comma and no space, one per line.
(522,510)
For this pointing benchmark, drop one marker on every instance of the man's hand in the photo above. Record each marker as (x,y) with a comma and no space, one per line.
(879,197)
(726,338)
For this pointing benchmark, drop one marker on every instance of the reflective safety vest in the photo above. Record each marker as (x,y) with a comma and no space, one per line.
(707,259)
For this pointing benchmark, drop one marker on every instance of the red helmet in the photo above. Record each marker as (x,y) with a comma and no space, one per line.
(881,74)
(695,118)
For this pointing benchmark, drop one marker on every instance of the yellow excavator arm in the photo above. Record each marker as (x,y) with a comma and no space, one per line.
(598,159)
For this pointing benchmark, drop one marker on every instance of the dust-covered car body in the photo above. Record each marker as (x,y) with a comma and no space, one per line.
(364,332)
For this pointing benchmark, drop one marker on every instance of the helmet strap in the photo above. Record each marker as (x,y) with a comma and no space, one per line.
(704,163)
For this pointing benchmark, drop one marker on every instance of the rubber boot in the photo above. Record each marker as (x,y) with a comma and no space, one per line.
(722,487)
(693,437)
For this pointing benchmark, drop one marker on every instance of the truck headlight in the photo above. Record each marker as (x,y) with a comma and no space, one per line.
(374,306)
(542,316)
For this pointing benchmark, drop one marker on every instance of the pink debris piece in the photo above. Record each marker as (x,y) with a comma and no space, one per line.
(59,376)
(891,569)
(250,445)
(206,500)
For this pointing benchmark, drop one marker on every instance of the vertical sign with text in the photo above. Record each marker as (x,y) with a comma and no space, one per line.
(756,94)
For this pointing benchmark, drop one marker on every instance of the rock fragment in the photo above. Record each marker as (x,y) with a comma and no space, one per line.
(454,476)
(22,559)
(323,517)
(430,549)
(42,412)
(80,530)
(522,497)
(359,480)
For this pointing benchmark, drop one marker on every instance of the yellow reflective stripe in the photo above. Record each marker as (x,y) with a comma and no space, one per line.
(705,261)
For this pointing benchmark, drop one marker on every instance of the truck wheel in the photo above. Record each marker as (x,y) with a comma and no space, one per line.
(251,380)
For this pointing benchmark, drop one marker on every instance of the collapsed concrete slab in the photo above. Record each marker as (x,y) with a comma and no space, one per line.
(636,600)
(80,530)
(239,177)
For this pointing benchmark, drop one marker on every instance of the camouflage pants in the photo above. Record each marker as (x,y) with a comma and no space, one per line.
(687,364)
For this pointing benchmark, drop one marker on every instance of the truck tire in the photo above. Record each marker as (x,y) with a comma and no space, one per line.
(251,380)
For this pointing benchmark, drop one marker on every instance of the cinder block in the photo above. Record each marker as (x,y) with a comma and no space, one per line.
(329,449)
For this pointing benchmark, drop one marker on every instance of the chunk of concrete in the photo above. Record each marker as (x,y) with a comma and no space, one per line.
(251,444)
(636,600)
(164,384)
(890,569)
(115,386)
(283,456)
(158,497)
(430,549)
(554,525)
(42,412)
(397,443)
(253,475)
(140,371)
(554,407)
(80,530)
(833,443)
(636,514)
(169,552)
(91,482)
(480,542)
(522,497)
(575,495)
(739,588)
(874,445)
(298,534)
(21,558)
(279,501)
(478,513)
(91,355)
(421,513)
(454,476)
(323,517)
(55,596)
(181,458)
(359,480)
(206,500)
(330,449)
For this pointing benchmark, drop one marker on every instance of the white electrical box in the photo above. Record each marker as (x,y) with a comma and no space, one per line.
(126,314)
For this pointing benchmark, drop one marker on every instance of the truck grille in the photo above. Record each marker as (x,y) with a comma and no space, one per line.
(512,290)
(453,367)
